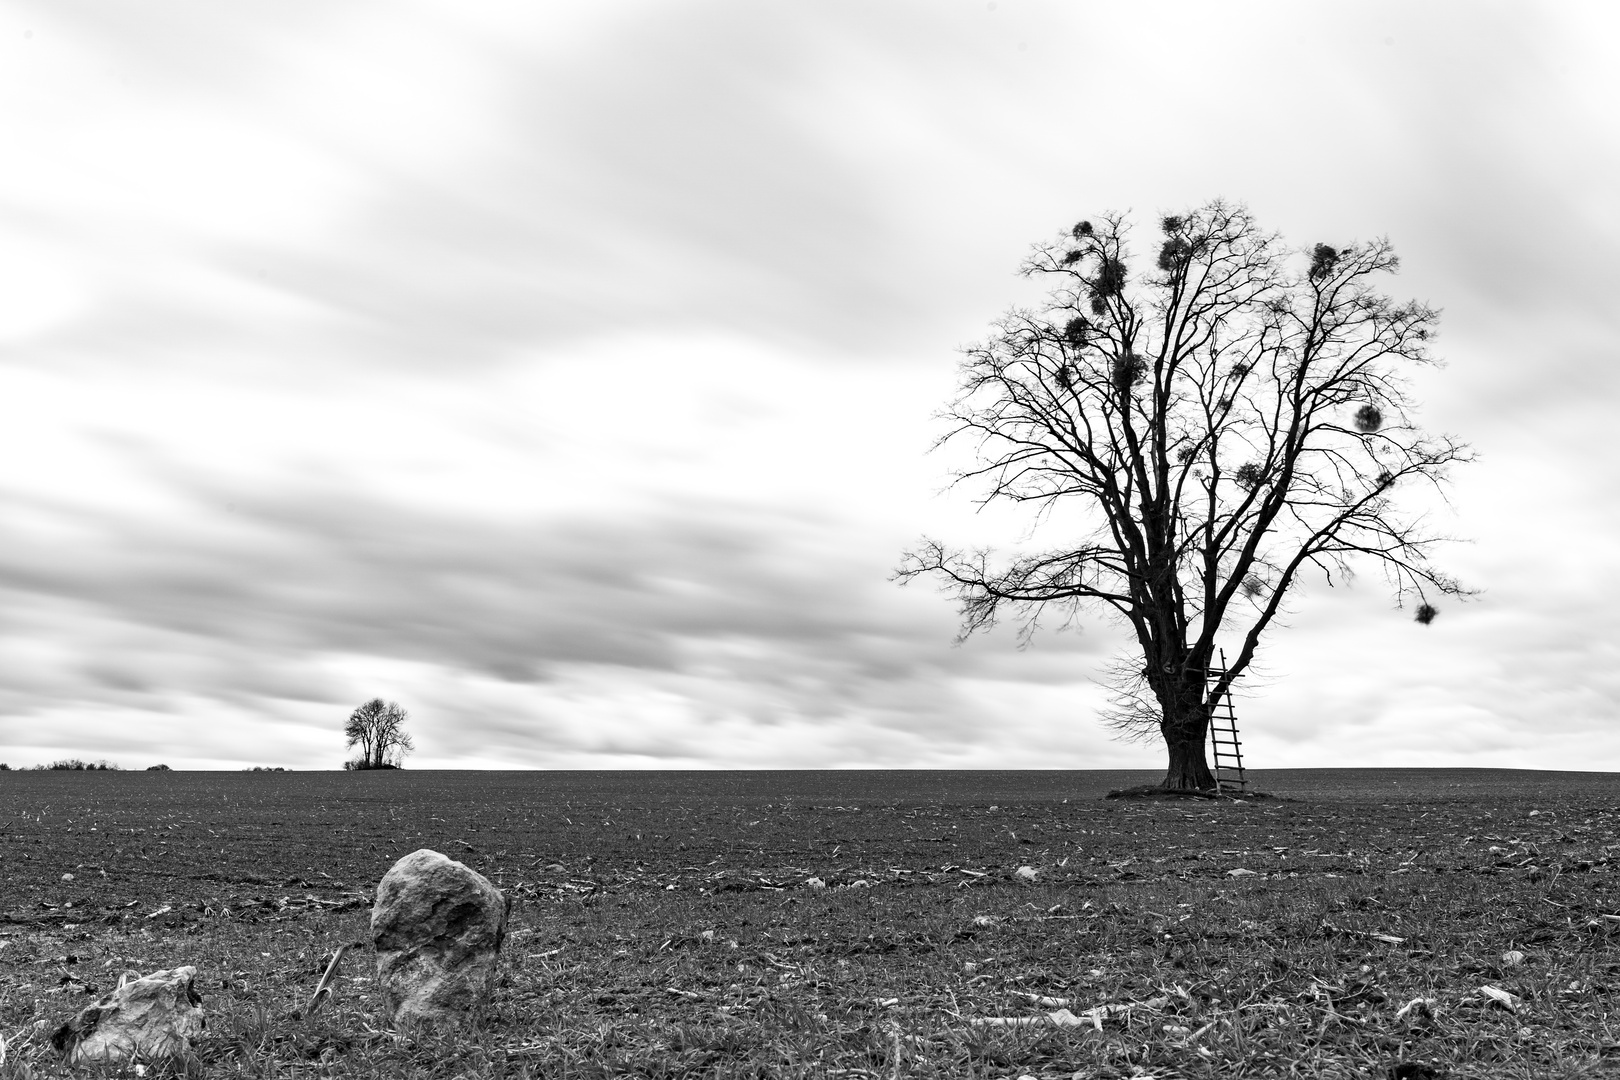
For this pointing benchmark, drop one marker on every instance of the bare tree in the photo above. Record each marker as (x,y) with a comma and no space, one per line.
(1223,424)
(378,728)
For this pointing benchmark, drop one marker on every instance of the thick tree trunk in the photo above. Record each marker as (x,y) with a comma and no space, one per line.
(1189,768)
(1186,735)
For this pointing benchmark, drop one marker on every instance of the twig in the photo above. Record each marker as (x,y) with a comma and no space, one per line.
(323,989)
(1387,938)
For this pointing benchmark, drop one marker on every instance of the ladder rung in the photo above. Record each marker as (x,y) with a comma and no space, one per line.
(1223,736)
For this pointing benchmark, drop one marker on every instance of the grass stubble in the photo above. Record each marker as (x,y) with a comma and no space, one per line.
(692,935)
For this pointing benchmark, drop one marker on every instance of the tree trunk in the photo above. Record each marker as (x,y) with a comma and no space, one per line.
(1185,737)
(1189,768)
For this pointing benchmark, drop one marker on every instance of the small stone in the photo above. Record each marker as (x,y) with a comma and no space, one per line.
(1512,958)
(153,1017)
(437,926)
(814,883)
(1025,873)
(67,877)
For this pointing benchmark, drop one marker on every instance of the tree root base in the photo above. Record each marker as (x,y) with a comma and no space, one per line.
(1157,793)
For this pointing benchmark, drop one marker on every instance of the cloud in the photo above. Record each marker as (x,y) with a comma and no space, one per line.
(564,370)
(699,616)
(704,578)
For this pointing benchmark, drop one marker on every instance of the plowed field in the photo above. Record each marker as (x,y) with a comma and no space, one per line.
(822,913)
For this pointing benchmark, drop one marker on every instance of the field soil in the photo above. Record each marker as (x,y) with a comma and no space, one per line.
(853,923)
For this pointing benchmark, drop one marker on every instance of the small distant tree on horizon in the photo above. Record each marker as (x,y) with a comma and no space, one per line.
(378,729)
(1222,426)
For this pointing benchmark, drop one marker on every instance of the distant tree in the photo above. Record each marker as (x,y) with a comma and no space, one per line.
(1220,426)
(158,768)
(378,729)
(77,765)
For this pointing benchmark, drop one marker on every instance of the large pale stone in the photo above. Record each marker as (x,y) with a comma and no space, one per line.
(148,1018)
(437,926)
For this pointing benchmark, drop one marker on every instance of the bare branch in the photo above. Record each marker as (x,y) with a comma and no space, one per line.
(1225,424)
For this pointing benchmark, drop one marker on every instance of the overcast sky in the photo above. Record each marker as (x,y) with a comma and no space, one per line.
(566,371)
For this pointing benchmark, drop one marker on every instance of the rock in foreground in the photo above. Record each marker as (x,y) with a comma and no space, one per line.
(148,1018)
(437,926)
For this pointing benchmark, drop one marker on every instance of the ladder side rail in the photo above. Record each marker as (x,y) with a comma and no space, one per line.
(1227,752)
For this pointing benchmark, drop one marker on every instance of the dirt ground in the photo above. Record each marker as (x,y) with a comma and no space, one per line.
(112,847)
(851,923)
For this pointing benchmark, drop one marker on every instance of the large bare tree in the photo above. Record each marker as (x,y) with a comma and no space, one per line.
(378,729)
(1224,423)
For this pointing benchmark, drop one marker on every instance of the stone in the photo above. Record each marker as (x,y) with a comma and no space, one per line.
(148,1017)
(437,926)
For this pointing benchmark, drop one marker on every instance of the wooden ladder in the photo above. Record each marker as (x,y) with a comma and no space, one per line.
(1225,747)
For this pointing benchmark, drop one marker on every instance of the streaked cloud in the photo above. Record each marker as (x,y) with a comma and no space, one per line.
(564,371)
